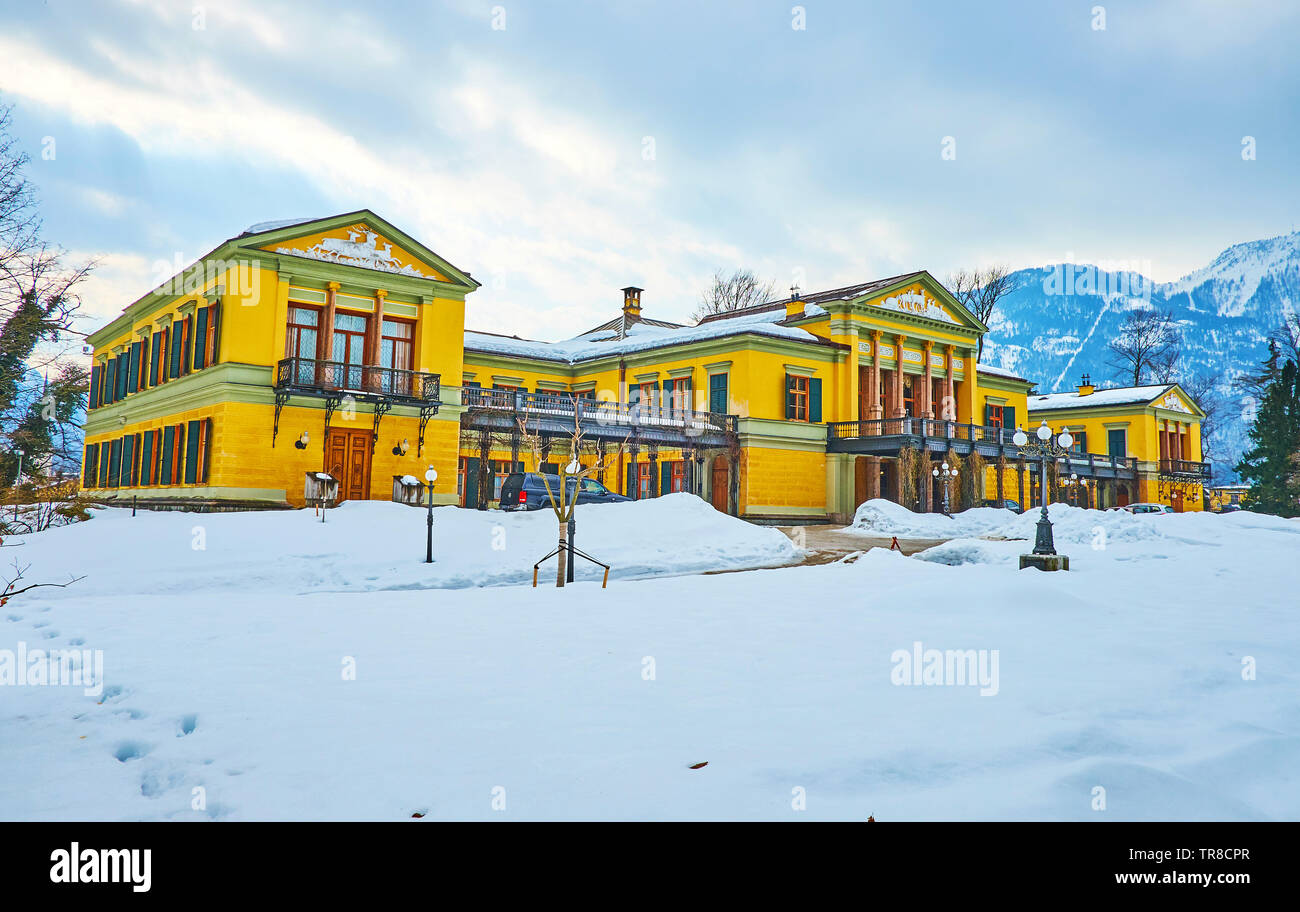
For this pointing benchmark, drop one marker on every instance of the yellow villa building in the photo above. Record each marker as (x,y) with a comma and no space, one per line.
(338,347)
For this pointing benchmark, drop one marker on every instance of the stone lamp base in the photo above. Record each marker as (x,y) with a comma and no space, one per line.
(1045,561)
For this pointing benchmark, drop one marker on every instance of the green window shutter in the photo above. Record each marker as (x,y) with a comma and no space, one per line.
(89,465)
(133,380)
(718,393)
(187,353)
(549,468)
(630,490)
(665,478)
(110,380)
(471,481)
(146,460)
(207,450)
(201,338)
(114,463)
(155,358)
(214,317)
(519,466)
(192,453)
(123,373)
(789,398)
(128,461)
(102,462)
(168,444)
(174,360)
(815,400)
(1009,416)
(988,414)
(94,388)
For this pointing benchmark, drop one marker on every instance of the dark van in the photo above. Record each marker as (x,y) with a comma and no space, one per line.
(526,491)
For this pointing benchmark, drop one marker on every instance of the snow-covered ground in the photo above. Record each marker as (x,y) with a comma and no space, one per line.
(229,670)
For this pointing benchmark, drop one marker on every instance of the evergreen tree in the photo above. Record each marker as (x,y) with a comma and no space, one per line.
(1270,465)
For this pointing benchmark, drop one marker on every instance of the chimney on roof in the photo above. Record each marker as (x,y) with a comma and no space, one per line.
(1085,386)
(794,306)
(632,303)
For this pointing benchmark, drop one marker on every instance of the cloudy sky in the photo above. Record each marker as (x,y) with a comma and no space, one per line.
(562,150)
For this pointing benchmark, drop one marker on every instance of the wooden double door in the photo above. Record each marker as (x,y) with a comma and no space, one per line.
(347,458)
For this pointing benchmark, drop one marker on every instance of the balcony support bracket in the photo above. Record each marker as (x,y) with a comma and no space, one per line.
(332,401)
(382,405)
(281,398)
(426,412)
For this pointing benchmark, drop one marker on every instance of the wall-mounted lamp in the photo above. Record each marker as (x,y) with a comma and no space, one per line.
(401,448)
(301,442)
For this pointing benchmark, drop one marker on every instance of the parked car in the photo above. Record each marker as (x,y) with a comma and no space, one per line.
(1148,508)
(1013,506)
(1230,508)
(527,491)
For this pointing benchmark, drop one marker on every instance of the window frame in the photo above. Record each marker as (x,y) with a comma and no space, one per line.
(798,394)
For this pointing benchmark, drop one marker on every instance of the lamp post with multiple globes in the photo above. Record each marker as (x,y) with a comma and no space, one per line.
(1044,447)
(946,474)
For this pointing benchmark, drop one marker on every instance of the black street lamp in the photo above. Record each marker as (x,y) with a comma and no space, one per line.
(1076,487)
(430,476)
(947,475)
(573,468)
(1046,447)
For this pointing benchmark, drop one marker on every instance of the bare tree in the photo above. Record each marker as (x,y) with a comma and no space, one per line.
(1204,389)
(38,305)
(11,585)
(564,496)
(733,292)
(1146,349)
(980,290)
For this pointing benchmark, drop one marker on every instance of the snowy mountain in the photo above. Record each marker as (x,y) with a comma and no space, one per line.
(1056,325)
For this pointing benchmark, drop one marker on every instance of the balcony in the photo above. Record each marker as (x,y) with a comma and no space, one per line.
(1185,470)
(646,422)
(307,376)
(887,436)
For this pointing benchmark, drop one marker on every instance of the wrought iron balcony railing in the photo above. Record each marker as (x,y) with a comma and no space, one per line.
(647,413)
(336,377)
(924,427)
(929,430)
(1185,468)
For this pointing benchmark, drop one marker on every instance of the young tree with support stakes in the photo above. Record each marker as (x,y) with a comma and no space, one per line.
(565,499)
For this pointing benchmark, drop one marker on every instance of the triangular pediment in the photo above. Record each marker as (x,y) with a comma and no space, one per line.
(359,240)
(1175,399)
(921,295)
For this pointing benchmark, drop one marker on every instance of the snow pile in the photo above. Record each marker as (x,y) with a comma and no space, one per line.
(1072,525)
(884,517)
(972,551)
(1075,525)
(370,545)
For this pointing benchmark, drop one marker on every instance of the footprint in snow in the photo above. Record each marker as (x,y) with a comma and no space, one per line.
(130,750)
(187,725)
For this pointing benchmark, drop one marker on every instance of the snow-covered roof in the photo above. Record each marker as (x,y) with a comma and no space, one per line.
(259,227)
(639,337)
(1123,395)
(998,372)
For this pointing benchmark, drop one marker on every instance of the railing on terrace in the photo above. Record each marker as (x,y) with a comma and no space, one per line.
(362,379)
(1185,468)
(923,427)
(648,413)
(937,428)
